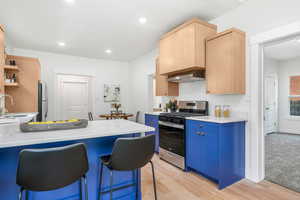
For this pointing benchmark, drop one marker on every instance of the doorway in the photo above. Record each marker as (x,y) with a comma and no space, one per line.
(281,123)
(74,96)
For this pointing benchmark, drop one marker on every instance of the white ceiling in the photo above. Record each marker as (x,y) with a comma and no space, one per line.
(89,27)
(284,50)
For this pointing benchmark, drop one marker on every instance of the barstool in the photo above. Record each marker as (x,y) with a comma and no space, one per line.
(129,154)
(53,168)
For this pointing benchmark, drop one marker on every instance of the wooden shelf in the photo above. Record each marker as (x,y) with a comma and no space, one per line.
(11,84)
(11,67)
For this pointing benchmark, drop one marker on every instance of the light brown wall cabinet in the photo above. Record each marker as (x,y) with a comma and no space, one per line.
(225,62)
(163,87)
(183,49)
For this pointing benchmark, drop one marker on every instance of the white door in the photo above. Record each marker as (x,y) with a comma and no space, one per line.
(270,104)
(74,97)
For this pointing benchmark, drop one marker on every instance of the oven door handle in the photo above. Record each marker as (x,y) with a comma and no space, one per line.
(179,126)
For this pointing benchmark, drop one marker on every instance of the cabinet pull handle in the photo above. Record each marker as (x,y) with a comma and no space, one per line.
(201,133)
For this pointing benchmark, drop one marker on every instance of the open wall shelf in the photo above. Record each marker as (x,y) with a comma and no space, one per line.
(11,84)
(11,67)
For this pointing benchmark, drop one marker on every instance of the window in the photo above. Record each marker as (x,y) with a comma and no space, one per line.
(294,96)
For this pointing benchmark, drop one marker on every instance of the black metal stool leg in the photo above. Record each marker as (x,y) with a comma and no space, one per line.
(86,192)
(111,184)
(26,195)
(154,180)
(100,179)
(80,189)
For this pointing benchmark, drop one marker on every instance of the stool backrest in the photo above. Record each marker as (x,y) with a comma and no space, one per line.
(90,115)
(132,153)
(137,117)
(53,168)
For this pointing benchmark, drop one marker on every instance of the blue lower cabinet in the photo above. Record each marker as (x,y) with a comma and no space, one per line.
(216,151)
(152,120)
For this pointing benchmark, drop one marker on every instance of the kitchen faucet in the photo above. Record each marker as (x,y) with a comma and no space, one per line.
(2,102)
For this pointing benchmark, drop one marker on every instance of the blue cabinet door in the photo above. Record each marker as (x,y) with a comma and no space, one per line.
(202,147)
(194,144)
(152,120)
(211,150)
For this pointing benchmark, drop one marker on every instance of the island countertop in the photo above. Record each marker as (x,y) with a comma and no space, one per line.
(11,135)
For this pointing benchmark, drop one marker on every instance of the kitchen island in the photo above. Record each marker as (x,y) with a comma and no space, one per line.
(99,138)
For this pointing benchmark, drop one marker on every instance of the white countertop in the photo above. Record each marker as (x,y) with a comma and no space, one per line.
(220,120)
(153,113)
(11,136)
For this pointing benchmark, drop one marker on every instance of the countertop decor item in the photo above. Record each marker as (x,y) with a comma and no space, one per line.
(172,105)
(116,106)
(53,125)
(226,111)
(218,111)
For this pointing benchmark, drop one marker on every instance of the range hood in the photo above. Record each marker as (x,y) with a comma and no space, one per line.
(188,77)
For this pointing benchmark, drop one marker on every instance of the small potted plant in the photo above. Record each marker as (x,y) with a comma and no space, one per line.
(172,106)
(116,106)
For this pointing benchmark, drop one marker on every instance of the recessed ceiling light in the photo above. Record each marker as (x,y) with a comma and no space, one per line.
(143,20)
(61,44)
(241,1)
(108,51)
(70,1)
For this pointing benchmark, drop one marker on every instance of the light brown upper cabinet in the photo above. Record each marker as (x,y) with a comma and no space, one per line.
(183,49)
(163,87)
(225,62)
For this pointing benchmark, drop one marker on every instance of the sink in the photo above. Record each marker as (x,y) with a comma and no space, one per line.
(17,117)
(4,120)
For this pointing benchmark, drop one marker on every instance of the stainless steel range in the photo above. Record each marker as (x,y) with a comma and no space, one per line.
(172,131)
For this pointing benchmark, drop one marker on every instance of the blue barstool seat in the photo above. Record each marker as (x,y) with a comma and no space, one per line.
(52,168)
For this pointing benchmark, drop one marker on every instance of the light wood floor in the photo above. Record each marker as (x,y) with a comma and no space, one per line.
(173,184)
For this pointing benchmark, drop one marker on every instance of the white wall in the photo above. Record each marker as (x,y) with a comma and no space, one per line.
(140,71)
(270,66)
(287,123)
(104,72)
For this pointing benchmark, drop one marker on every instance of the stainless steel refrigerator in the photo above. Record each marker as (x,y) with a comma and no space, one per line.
(42,101)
